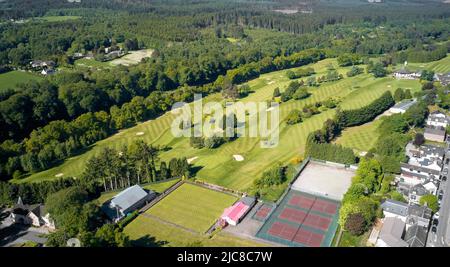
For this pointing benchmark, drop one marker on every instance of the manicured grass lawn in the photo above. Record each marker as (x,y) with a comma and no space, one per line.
(13,78)
(361,138)
(217,165)
(157,187)
(192,206)
(440,66)
(148,232)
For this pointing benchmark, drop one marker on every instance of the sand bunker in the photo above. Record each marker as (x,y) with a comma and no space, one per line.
(190,160)
(238,157)
(271,82)
(140,133)
(59,175)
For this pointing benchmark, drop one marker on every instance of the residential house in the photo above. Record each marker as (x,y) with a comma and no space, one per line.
(444,79)
(418,215)
(127,201)
(402,106)
(46,72)
(416,192)
(395,209)
(391,233)
(38,64)
(416,236)
(406,74)
(424,165)
(437,119)
(35,215)
(436,134)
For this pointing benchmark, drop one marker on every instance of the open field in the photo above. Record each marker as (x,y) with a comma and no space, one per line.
(132,58)
(218,165)
(148,232)
(57,18)
(361,138)
(158,187)
(192,206)
(13,78)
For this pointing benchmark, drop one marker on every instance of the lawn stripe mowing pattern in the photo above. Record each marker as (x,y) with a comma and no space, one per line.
(360,138)
(192,206)
(217,165)
(144,231)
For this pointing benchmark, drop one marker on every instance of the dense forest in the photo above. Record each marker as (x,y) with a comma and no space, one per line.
(46,122)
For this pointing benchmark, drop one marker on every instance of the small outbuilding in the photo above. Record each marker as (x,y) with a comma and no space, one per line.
(234,214)
(129,200)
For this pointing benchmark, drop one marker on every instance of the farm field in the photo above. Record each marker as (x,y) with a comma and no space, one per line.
(218,165)
(13,78)
(192,206)
(158,187)
(148,232)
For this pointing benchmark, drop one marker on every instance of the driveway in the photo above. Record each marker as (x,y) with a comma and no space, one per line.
(13,234)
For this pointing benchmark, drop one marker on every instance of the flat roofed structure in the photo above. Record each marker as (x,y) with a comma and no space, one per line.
(324,179)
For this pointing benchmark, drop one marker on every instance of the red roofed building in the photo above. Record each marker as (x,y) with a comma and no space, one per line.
(233,215)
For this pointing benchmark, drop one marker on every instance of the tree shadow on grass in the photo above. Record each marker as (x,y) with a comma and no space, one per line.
(148,241)
(195,169)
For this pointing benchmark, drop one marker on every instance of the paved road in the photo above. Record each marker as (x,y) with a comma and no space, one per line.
(442,236)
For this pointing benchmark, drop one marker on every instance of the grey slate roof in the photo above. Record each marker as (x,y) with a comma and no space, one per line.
(420,211)
(419,190)
(394,206)
(129,197)
(249,201)
(392,231)
(435,130)
(416,236)
(421,169)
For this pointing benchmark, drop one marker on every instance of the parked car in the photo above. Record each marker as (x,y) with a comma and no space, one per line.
(445,171)
(447,160)
(436,215)
(435,222)
(444,178)
(433,229)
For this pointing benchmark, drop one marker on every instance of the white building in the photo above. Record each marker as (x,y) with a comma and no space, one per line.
(406,74)
(403,106)
(437,119)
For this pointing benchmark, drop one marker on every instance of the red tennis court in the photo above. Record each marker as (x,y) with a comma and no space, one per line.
(301,201)
(308,238)
(283,230)
(317,221)
(263,212)
(301,219)
(293,215)
(324,206)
